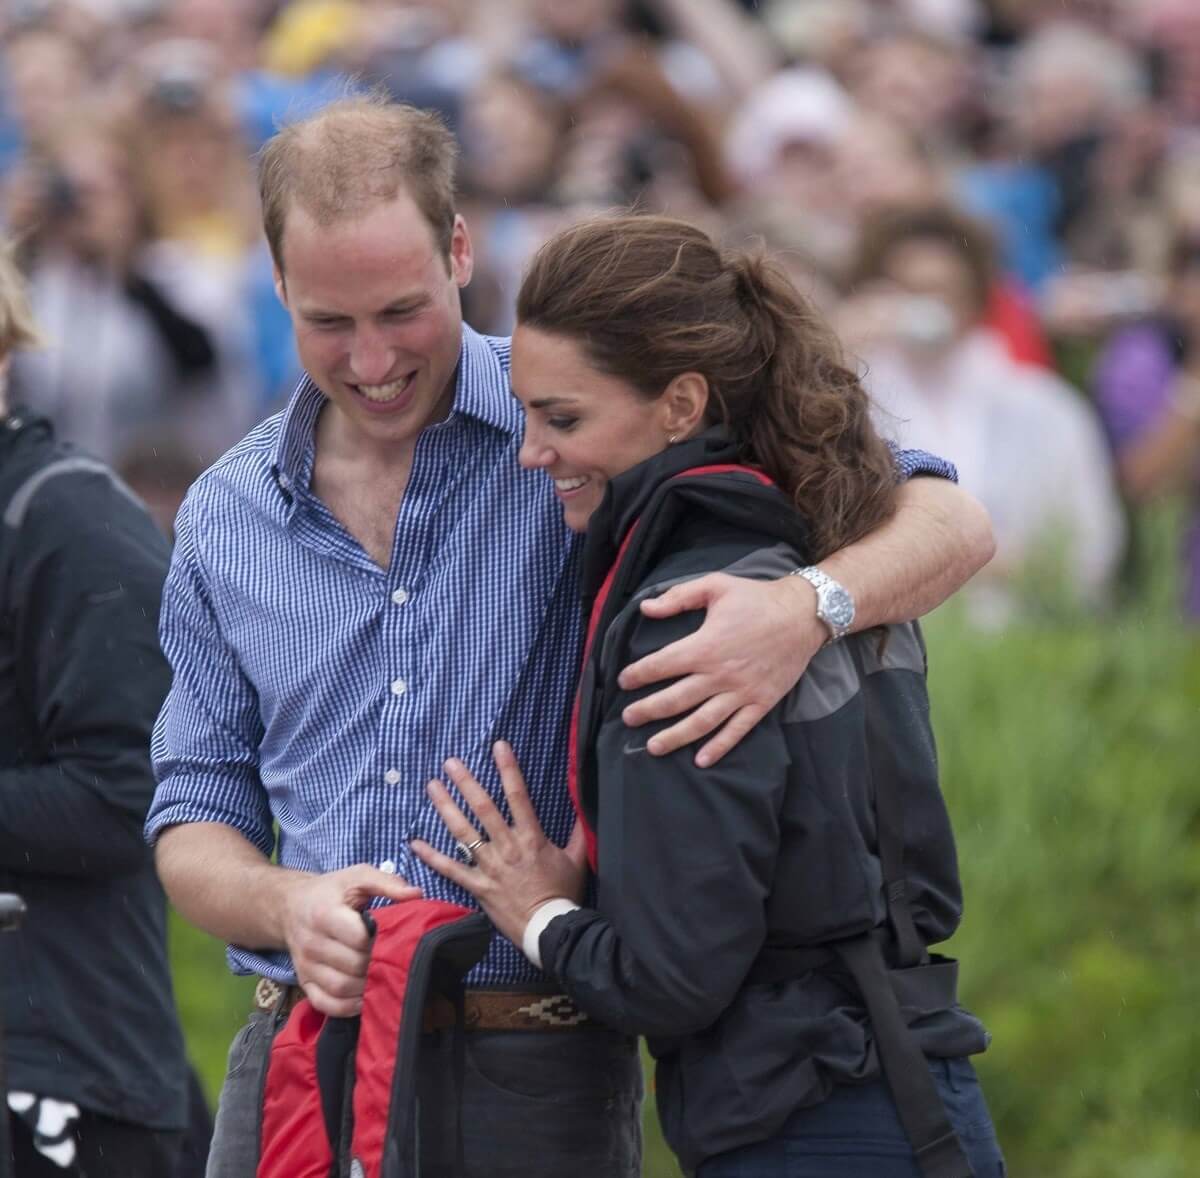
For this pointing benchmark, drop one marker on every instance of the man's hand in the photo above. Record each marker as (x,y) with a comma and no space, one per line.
(759,638)
(756,641)
(326,935)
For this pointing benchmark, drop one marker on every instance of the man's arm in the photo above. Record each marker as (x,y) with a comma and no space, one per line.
(211,822)
(87,665)
(225,885)
(758,637)
(939,538)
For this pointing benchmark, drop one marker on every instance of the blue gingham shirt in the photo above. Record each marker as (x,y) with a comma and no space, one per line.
(315,693)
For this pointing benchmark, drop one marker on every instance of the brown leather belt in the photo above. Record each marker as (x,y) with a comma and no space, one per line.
(483,1010)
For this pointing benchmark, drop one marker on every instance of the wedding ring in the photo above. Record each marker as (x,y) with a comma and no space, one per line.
(466,851)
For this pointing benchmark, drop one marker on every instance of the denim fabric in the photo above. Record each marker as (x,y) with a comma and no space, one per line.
(856,1133)
(234,1149)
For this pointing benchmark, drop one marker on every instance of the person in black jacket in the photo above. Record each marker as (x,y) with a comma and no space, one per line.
(97,1081)
(765,923)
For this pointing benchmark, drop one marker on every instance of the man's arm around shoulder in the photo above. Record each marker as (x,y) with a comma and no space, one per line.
(758,638)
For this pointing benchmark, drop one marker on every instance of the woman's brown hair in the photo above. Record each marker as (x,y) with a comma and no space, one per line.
(649,298)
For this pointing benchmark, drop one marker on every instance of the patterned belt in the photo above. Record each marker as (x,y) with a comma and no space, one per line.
(484,1010)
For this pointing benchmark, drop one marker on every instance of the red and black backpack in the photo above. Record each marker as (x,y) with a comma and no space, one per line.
(339,1100)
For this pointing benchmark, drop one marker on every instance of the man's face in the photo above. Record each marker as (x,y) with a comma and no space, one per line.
(375,307)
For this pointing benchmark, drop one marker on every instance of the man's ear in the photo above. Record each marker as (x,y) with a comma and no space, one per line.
(280,286)
(462,255)
(684,402)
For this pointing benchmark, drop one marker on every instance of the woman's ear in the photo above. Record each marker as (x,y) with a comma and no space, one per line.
(684,402)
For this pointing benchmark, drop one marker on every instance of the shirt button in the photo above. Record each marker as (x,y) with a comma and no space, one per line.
(392,777)
(388,867)
(400,596)
(399,687)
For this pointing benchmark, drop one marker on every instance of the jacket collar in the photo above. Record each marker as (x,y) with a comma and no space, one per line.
(626,496)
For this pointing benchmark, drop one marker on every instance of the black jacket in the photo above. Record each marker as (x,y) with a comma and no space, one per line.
(705,878)
(89,1014)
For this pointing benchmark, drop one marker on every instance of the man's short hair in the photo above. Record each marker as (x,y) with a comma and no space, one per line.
(352,156)
(17,328)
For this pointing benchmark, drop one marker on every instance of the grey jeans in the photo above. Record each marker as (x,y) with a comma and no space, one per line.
(535,1104)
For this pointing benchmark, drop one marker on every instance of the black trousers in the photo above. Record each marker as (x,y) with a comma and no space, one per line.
(535,1104)
(105,1149)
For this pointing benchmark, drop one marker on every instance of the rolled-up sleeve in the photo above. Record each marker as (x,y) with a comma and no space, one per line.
(208,733)
(911,463)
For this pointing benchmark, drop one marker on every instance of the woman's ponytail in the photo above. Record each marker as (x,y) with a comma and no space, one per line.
(649,298)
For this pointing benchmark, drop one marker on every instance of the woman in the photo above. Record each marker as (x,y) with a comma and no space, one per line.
(684,400)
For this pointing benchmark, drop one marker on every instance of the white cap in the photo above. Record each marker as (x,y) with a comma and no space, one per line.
(794,106)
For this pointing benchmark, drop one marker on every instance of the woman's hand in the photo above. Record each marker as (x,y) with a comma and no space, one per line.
(517,868)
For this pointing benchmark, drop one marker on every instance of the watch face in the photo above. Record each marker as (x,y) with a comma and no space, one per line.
(838,607)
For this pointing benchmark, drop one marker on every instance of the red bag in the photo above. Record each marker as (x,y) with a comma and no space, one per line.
(339,1098)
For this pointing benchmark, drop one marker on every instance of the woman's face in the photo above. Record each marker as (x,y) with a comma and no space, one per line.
(582,427)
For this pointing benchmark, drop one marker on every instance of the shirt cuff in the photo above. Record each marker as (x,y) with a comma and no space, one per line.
(910,463)
(542,916)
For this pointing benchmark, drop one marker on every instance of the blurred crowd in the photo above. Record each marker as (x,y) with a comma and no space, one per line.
(997,202)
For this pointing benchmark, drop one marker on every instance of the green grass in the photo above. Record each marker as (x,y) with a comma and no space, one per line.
(1069,761)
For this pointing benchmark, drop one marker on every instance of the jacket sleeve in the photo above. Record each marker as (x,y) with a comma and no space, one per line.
(205,748)
(88,575)
(686,860)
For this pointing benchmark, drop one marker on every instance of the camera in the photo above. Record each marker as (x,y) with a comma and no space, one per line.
(178,92)
(60,194)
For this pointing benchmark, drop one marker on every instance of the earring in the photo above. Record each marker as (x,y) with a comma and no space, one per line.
(672,439)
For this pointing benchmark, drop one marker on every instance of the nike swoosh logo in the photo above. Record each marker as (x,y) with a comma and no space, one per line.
(630,749)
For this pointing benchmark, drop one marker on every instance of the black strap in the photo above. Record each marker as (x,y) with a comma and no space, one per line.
(459,1047)
(922,1113)
(889,814)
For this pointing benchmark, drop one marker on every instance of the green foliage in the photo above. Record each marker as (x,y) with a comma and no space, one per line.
(1069,763)
(213,1003)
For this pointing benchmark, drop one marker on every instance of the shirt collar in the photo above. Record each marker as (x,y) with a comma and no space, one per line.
(481,391)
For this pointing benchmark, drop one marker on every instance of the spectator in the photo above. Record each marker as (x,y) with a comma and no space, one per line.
(513,135)
(941,379)
(49,79)
(1148,392)
(93,1051)
(120,356)
(920,81)
(202,241)
(781,147)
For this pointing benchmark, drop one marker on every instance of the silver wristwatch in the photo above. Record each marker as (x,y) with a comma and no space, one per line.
(835,606)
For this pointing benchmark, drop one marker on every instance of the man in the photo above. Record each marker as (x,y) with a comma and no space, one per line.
(368,583)
(92,1046)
